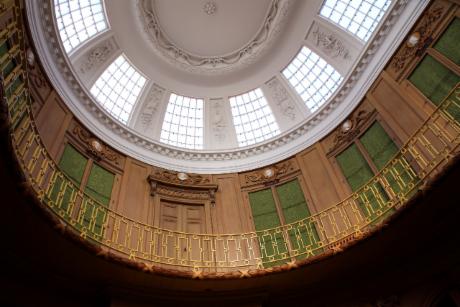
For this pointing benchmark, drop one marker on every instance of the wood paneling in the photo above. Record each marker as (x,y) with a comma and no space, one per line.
(52,122)
(135,192)
(229,214)
(319,178)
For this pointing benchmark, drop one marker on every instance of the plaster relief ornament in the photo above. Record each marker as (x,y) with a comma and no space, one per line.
(330,44)
(210,7)
(151,107)
(218,122)
(216,64)
(97,56)
(282,99)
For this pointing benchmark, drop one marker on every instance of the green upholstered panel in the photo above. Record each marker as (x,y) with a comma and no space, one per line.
(354,167)
(9,91)
(8,68)
(100,183)
(448,42)
(4,48)
(295,208)
(265,216)
(433,79)
(292,201)
(378,145)
(264,209)
(73,164)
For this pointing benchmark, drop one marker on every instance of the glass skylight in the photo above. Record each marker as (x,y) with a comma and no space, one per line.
(118,88)
(79,20)
(359,17)
(183,122)
(312,78)
(253,119)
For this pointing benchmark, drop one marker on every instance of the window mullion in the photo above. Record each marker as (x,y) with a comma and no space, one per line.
(366,156)
(441,58)
(84,179)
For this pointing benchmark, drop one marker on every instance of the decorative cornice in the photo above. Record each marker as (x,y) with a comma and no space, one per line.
(247,54)
(174,177)
(57,64)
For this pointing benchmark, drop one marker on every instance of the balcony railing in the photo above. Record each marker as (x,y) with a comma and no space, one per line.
(423,156)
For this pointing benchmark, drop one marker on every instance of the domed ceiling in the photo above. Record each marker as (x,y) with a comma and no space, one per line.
(215,86)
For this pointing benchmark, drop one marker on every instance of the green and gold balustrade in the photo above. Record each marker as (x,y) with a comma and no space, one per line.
(423,156)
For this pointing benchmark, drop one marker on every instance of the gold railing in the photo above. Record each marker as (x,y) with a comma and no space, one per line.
(420,159)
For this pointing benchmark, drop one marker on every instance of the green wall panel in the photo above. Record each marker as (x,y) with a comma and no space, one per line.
(73,164)
(292,201)
(354,167)
(264,209)
(433,79)
(379,145)
(448,42)
(100,183)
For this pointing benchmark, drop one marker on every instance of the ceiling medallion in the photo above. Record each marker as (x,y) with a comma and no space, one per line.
(247,54)
(210,7)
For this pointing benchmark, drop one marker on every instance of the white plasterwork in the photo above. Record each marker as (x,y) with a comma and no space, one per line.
(130,142)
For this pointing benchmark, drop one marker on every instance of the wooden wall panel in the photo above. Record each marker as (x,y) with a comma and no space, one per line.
(135,200)
(52,123)
(401,115)
(322,185)
(230,215)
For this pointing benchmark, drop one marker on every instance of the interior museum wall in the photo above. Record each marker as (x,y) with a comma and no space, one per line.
(397,104)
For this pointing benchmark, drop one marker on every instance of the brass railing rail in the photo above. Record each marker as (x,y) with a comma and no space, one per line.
(420,159)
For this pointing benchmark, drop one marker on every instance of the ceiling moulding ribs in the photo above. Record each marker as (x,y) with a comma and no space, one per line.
(275,19)
(62,76)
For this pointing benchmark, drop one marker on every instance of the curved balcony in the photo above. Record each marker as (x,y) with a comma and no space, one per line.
(207,255)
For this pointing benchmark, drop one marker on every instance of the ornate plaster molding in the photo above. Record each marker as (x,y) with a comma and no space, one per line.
(330,44)
(282,98)
(132,143)
(97,55)
(247,54)
(219,123)
(150,107)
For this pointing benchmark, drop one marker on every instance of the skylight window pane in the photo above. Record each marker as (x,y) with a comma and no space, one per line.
(360,17)
(313,79)
(78,21)
(253,119)
(113,92)
(183,122)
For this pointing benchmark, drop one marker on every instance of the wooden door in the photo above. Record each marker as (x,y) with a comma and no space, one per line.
(183,220)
